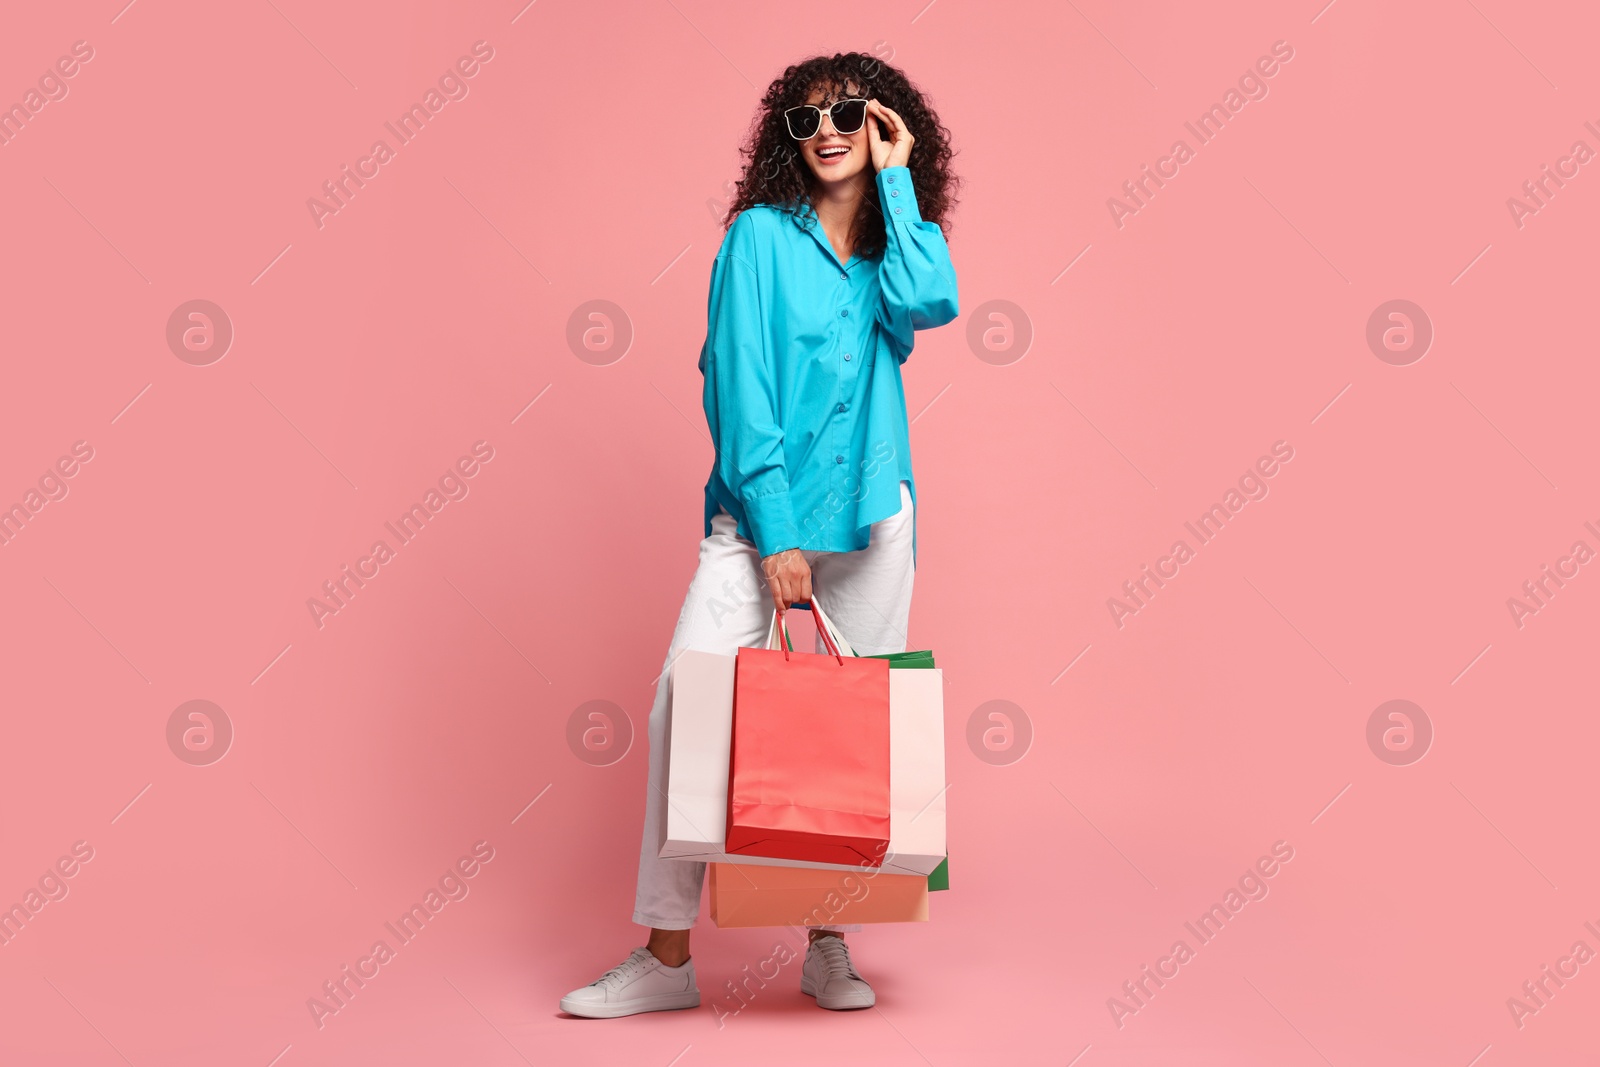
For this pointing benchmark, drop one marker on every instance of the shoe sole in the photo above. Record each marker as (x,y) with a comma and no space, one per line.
(660,1002)
(847,1003)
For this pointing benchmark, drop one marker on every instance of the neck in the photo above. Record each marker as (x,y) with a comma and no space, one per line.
(837,200)
(836,204)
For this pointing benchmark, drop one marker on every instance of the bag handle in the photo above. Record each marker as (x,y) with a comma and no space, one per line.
(826,625)
(778,626)
(774,629)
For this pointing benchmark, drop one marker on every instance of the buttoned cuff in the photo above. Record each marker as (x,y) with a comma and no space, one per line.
(771,523)
(896,196)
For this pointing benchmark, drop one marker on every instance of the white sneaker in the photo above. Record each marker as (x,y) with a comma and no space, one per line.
(639,983)
(828,975)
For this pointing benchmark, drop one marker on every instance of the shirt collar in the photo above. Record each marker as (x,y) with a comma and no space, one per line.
(805,217)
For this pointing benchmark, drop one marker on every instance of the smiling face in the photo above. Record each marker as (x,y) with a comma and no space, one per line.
(831,155)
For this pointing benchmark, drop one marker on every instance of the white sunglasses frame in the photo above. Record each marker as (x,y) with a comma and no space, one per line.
(865,115)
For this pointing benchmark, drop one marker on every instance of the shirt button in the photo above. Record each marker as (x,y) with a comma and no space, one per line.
(894,192)
(845,314)
(843,277)
(897,211)
(838,459)
(891,179)
(841,409)
(847,357)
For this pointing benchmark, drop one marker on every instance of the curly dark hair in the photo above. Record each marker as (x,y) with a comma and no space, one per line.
(775,173)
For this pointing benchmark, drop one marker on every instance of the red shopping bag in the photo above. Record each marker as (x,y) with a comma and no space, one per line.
(808,774)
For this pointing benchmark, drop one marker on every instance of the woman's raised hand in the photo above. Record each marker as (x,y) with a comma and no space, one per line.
(897,149)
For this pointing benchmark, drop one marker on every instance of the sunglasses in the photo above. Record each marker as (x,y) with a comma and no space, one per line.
(804,121)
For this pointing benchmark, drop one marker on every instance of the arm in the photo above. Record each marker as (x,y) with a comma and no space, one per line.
(918,278)
(740,396)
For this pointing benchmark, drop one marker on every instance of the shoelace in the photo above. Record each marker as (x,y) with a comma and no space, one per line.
(836,957)
(615,975)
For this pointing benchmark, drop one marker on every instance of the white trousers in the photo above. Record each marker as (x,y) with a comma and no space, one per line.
(867,595)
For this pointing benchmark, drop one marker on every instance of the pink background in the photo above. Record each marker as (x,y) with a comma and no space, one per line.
(1166,356)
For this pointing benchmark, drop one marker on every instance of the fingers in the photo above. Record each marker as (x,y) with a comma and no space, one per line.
(874,136)
(898,146)
(780,584)
(774,575)
(795,577)
(788,578)
(895,122)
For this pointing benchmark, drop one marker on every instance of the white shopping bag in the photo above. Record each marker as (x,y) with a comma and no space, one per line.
(699,738)
(699,735)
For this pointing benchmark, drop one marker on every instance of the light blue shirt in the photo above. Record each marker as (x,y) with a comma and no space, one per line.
(802,371)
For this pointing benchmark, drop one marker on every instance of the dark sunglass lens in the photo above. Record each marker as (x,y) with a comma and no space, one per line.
(849,116)
(803,121)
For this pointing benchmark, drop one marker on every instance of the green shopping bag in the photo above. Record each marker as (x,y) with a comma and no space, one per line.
(922,660)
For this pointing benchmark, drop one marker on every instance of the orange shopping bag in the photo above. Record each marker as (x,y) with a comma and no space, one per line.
(747,895)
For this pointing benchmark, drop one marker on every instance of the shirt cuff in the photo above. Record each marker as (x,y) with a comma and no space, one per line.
(896,196)
(771,523)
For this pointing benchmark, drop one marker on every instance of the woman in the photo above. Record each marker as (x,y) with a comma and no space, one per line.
(834,255)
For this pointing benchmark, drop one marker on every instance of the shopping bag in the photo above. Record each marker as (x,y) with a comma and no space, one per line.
(748,895)
(697,738)
(904,660)
(808,774)
(917,768)
(698,735)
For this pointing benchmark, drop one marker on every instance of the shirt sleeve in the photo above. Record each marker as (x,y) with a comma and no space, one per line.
(741,401)
(918,279)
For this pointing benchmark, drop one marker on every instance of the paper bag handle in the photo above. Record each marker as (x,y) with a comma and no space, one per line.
(829,630)
(774,629)
(787,644)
